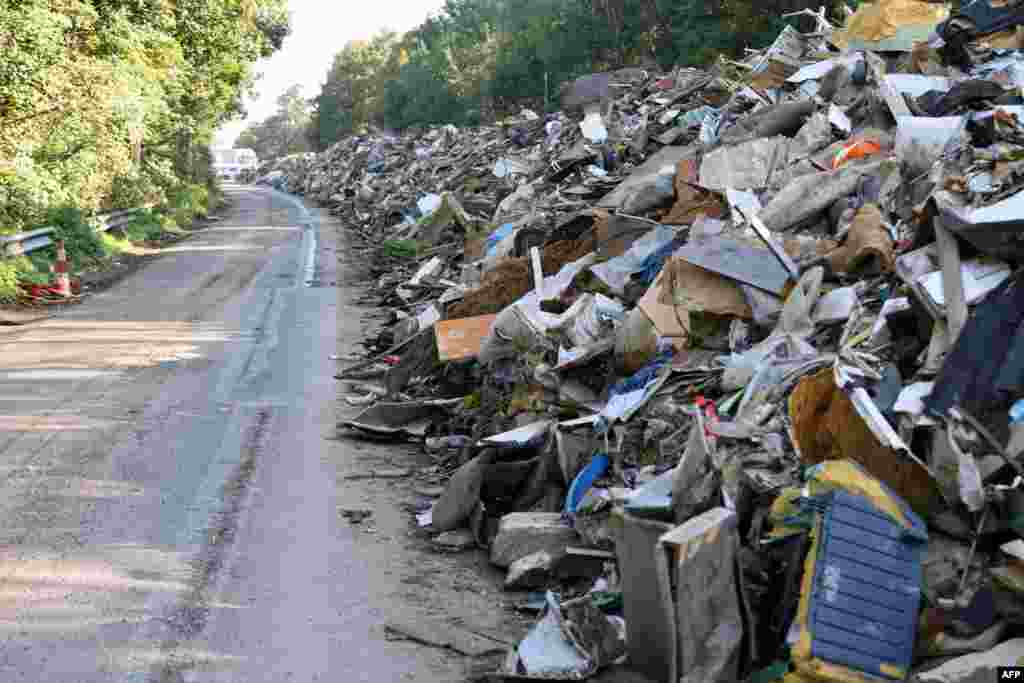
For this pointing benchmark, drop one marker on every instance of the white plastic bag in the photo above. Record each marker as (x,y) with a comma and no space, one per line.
(512,333)
(615,272)
(594,129)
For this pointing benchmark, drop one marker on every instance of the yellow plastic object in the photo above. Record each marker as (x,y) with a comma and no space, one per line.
(785,506)
(801,651)
(849,476)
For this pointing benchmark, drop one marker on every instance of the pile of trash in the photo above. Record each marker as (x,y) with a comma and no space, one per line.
(728,364)
(284,174)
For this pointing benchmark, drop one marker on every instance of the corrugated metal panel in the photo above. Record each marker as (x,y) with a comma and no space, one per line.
(867,589)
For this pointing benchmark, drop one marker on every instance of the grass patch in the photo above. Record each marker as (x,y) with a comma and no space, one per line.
(149,225)
(117,245)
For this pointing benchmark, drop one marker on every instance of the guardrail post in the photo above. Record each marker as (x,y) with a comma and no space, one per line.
(60,270)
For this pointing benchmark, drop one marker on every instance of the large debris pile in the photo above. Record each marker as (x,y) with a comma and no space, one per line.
(727,360)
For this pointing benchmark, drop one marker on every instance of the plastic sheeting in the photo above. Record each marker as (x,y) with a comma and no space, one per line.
(591,319)
(744,166)
(921,139)
(428,204)
(597,466)
(616,272)
(628,395)
(495,238)
(523,324)
(594,129)
(545,651)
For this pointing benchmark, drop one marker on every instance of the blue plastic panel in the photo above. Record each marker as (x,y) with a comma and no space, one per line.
(867,589)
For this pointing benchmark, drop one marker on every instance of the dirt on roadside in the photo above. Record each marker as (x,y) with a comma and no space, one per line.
(96,281)
(442,595)
(125,264)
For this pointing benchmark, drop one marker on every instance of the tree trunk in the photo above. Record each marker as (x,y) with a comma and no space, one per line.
(183,154)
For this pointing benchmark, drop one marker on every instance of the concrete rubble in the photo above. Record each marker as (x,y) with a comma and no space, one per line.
(755,330)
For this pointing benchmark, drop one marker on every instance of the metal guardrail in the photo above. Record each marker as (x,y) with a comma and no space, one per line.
(26,242)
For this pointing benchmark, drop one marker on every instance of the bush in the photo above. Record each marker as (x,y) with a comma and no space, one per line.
(187,202)
(147,225)
(39,261)
(8,282)
(16,270)
(420,97)
(135,189)
(114,244)
(82,242)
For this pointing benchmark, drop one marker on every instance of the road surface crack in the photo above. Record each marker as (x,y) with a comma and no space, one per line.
(189,617)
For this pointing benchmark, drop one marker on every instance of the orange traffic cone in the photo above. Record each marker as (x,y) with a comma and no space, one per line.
(60,271)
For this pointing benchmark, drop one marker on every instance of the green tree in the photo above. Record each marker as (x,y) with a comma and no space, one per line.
(100,95)
(418,96)
(352,96)
(284,132)
(493,56)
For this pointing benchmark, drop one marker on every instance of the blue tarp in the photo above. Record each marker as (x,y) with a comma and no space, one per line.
(641,377)
(496,237)
(597,466)
(652,265)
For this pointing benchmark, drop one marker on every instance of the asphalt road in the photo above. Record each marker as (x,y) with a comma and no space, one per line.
(171,481)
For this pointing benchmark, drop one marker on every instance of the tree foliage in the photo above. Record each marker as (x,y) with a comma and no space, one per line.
(355,87)
(101,96)
(484,57)
(283,133)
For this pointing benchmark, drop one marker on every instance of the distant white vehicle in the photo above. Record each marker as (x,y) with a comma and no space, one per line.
(230,163)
